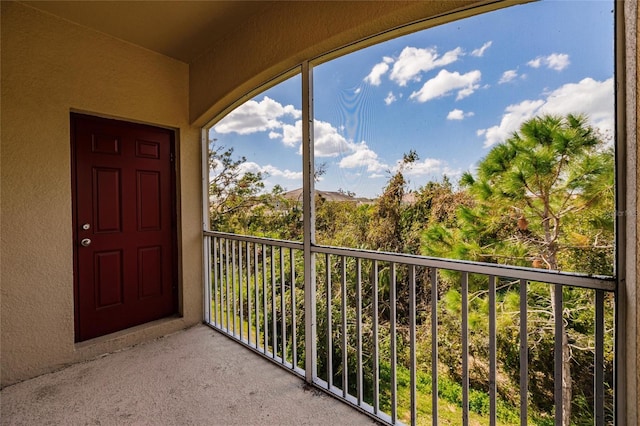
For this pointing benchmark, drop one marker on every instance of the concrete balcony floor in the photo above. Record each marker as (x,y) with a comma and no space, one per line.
(194,377)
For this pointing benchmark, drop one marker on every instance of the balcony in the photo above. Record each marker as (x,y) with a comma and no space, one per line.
(196,376)
(379,349)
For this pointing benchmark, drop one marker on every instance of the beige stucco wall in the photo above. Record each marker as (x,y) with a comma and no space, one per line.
(630,330)
(49,67)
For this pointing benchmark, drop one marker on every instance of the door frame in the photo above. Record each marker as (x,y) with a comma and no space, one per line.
(176,287)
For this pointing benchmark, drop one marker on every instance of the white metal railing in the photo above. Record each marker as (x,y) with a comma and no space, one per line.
(366,303)
(254,286)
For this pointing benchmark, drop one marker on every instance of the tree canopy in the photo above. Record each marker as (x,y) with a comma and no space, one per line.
(543,198)
(541,195)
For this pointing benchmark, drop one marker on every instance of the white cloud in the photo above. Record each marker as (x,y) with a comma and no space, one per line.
(249,167)
(363,156)
(413,61)
(271,171)
(480,52)
(467,91)
(293,111)
(429,167)
(508,76)
(555,61)
(357,91)
(458,114)
(391,98)
(446,82)
(292,134)
(590,97)
(514,116)
(378,71)
(252,117)
(274,135)
(424,167)
(328,142)
(535,63)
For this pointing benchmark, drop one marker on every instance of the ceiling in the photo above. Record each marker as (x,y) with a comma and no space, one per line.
(180,29)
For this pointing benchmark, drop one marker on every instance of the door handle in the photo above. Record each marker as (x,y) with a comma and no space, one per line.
(85,242)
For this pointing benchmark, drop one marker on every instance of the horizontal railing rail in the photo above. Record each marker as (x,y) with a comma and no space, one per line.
(595,282)
(257,240)
(384,324)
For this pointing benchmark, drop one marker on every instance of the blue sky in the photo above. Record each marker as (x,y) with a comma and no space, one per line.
(450,93)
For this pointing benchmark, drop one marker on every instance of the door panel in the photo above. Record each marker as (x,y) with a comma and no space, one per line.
(150,271)
(108,278)
(107,209)
(149,206)
(124,216)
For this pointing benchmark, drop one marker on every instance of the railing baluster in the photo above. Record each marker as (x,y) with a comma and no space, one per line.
(392,306)
(345,350)
(598,362)
(221,282)
(376,349)
(412,343)
(233,285)
(329,322)
(228,277)
(283,309)
(294,332)
(249,322)
(524,355)
(256,295)
(240,284)
(214,264)
(492,351)
(264,300)
(557,354)
(465,348)
(434,346)
(274,335)
(359,370)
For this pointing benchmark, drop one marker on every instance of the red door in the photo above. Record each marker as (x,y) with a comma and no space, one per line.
(124,225)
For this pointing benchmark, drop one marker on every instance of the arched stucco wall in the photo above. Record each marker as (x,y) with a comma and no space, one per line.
(291,32)
(49,67)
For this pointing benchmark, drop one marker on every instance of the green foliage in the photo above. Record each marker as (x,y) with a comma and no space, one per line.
(545,192)
(232,192)
(544,198)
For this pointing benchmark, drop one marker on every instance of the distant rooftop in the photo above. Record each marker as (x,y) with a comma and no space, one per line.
(296,195)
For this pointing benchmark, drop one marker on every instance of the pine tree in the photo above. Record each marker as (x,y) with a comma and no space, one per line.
(533,195)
